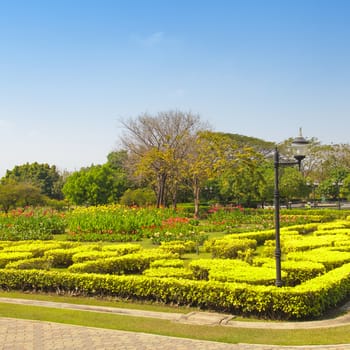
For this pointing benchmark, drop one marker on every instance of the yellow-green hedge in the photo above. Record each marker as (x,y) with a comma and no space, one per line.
(308,300)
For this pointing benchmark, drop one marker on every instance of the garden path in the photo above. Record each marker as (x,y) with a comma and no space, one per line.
(37,335)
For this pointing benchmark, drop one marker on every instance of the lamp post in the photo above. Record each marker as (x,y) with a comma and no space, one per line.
(338,184)
(299,144)
(313,186)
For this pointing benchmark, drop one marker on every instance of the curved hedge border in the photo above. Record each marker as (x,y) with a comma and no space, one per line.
(308,300)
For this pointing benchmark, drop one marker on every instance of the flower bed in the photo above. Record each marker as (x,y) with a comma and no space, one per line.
(31,223)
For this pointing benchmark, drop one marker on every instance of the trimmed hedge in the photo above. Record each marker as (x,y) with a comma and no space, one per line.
(122,249)
(245,274)
(297,272)
(229,246)
(179,247)
(308,300)
(81,257)
(167,263)
(331,259)
(7,257)
(29,264)
(178,272)
(226,270)
(61,257)
(126,264)
(313,242)
(259,236)
(36,248)
(335,231)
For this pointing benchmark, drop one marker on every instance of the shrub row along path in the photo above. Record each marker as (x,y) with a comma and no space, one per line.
(18,334)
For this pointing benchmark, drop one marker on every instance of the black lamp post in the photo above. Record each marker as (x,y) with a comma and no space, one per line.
(313,186)
(299,144)
(338,184)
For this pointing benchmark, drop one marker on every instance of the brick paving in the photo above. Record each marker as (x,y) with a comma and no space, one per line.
(17,334)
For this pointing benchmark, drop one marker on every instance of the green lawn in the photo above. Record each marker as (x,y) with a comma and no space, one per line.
(337,335)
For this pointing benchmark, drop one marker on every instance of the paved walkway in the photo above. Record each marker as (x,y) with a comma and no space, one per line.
(18,334)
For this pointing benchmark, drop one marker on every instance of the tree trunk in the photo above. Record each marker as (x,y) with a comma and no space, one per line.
(161,190)
(174,195)
(196,192)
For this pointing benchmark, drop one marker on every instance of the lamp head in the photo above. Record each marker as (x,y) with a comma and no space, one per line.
(299,144)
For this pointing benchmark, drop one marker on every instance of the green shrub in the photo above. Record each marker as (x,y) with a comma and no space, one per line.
(140,197)
(36,248)
(200,268)
(302,229)
(178,272)
(81,257)
(106,251)
(179,247)
(122,249)
(305,301)
(229,246)
(338,224)
(331,259)
(6,258)
(61,257)
(297,272)
(29,264)
(167,263)
(126,264)
(313,242)
(245,274)
(335,231)
(259,236)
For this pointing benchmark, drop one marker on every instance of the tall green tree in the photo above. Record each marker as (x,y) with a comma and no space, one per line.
(43,176)
(14,195)
(94,185)
(216,156)
(293,185)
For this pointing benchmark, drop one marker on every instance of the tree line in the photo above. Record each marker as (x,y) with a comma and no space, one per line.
(172,157)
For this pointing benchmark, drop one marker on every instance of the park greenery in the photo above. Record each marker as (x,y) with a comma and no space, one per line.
(224,262)
(173,157)
(182,215)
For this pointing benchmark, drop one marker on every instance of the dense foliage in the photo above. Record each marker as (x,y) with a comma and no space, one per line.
(98,184)
(42,176)
(238,278)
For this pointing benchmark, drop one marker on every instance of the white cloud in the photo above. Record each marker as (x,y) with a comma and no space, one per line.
(151,40)
(154,39)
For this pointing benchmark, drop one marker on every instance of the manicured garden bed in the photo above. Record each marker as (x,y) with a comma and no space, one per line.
(190,264)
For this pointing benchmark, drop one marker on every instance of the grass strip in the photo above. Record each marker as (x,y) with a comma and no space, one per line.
(324,336)
(95,301)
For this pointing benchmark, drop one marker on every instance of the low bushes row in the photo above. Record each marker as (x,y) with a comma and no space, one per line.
(331,259)
(29,264)
(229,246)
(262,272)
(6,258)
(313,242)
(108,251)
(126,264)
(308,300)
(178,272)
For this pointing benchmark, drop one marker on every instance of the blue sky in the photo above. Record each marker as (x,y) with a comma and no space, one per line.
(71,69)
